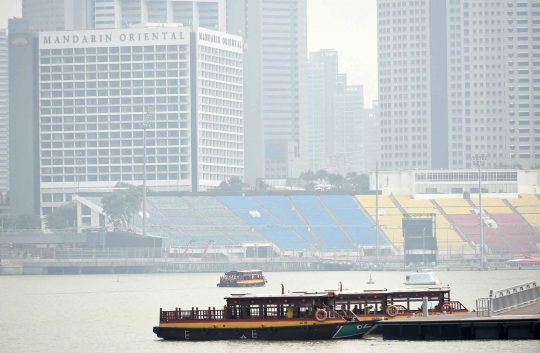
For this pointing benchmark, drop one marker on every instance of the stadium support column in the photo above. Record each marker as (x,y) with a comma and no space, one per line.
(377,212)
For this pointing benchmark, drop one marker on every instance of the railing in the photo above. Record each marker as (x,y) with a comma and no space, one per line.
(456,305)
(231,313)
(193,314)
(482,307)
(513,297)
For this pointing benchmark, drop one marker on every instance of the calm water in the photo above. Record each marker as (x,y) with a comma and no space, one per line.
(110,313)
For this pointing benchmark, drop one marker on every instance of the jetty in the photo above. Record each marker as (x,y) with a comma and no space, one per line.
(509,313)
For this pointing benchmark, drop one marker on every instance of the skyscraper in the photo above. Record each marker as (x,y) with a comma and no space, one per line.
(372,136)
(335,116)
(457,78)
(23,118)
(59,15)
(275,85)
(4,113)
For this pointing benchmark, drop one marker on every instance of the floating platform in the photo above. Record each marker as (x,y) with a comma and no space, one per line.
(522,323)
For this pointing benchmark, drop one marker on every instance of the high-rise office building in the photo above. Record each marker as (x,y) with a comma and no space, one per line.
(372,136)
(275,33)
(4,114)
(335,116)
(23,118)
(125,13)
(95,88)
(348,125)
(58,15)
(457,78)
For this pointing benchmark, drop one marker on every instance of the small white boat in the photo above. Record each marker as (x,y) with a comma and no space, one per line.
(422,279)
(370,280)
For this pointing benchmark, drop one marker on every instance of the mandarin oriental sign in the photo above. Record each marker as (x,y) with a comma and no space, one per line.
(101,38)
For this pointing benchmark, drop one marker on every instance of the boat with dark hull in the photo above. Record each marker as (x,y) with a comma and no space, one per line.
(296,316)
(248,278)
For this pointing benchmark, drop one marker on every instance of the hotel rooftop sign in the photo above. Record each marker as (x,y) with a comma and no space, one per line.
(113,37)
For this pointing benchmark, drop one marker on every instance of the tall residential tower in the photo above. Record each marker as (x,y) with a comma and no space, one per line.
(275,34)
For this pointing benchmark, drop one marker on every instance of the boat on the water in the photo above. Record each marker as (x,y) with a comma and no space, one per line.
(398,303)
(295,316)
(422,279)
(247,278)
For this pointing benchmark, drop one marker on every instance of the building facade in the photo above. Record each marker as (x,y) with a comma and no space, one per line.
(275,33)
(59,15)
(457,78)
(95,88)
(23,118)
(428,184)
(372,136)
(335,117)
(4,114)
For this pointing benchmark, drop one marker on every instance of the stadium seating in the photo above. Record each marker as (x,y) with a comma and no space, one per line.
(353,220)
(272,229)
(281,208)
(314,213)
(338,222)
(390,217)
(447,237)
(214,212)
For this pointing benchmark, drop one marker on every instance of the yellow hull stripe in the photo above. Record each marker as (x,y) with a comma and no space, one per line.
(250,281)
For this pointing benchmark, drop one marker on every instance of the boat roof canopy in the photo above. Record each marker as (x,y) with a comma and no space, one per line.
(281,296)
(243,272)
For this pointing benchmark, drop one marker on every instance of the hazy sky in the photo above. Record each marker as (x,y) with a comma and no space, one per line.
(349,26)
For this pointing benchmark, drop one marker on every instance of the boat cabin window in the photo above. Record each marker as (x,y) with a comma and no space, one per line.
(268,308)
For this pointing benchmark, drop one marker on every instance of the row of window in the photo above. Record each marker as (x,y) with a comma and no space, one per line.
(466,176)
(113,177)
(114,50)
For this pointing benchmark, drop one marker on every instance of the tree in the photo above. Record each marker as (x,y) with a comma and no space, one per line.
(63,217)
(359,182)
(122,205)
(6,222)
(28,221)
(336,180)
(263,185)
(233,184)
(322,175)
(308,176)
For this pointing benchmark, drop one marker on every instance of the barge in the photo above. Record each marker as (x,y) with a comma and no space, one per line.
(248,278)
(295,316)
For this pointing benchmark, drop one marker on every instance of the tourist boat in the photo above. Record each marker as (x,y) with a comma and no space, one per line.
(422,279)
(248,278)
(399,303)
(295,316)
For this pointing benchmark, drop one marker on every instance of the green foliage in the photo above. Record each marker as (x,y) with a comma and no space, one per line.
(262,185)
(122,205)
(63,217)
(233,184)
(28,221)
(6,222)
(4,199)
(352,181)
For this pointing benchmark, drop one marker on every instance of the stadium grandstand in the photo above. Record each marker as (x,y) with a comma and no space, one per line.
(328,223)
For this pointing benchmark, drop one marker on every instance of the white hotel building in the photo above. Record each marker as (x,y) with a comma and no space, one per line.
(95,87)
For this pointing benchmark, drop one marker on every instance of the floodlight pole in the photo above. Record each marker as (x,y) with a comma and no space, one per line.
(479,160)
(147,122)
(377,212)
